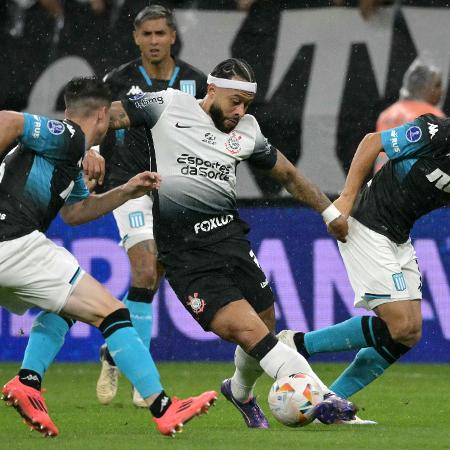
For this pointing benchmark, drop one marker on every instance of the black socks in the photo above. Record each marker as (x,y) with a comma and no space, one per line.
(30,378)
(160,405)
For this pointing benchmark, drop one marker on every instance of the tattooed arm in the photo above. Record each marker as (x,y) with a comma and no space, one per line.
(300,187)
(307,192)
(119,118)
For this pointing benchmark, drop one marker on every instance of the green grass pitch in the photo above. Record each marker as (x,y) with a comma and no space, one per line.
(410,402)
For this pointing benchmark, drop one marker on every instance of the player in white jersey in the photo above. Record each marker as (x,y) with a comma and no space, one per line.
(196,146)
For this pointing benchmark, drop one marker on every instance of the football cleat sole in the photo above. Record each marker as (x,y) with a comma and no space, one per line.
(33,425)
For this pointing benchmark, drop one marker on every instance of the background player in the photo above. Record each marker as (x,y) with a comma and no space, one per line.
(420,94)
(38,178)
(127,153)
(380,260)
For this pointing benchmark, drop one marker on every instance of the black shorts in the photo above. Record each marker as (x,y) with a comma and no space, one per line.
(207,278)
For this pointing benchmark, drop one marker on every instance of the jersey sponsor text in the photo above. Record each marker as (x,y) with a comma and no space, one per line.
(394,141)
(148,101)
(195,166)
(211,224)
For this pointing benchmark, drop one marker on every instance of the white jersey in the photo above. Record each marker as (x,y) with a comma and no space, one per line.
(196,203)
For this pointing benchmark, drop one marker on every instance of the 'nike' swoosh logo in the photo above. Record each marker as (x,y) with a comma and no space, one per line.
(279,368)
(182,126)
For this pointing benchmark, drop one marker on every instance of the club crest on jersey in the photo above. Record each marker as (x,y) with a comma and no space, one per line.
(413,134)
(232,145)
(188,86)
(55,127)
(196,304)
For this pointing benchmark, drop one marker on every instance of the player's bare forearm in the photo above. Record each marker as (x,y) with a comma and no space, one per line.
(119,118)
(362,164)
(307,192)
(298,185)
(97,205)
(11,127)
(94,206)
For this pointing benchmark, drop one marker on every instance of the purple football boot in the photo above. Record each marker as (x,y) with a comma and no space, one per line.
(334,409)
(251,412)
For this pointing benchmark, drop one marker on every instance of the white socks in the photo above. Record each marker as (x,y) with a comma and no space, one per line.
(283,361)
(279,362)
(248,370)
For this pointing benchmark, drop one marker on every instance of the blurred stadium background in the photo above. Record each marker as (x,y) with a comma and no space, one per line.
(325,71)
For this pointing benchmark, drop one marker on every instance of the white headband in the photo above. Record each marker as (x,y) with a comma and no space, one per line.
(232,84)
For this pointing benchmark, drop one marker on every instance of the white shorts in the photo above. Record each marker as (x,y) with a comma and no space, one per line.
(380,271)
(135,221)
(35,272)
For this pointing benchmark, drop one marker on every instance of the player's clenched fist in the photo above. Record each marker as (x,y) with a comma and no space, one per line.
(94,165)
(338,228)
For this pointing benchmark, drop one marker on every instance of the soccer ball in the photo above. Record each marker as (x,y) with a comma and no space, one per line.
(291,399)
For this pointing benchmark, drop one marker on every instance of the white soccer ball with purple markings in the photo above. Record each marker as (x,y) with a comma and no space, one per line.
(291,399)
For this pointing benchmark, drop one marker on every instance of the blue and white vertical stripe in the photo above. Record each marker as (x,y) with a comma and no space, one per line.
(399,281)
(188,86)
(136,219)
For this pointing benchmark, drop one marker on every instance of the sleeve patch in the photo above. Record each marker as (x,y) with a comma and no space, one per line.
(413,134)
(55,127)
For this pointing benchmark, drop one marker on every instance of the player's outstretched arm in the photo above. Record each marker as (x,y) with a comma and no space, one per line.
(307,192)
(362,163)
(11,127)
(97,205)
(298,185)
(119,118)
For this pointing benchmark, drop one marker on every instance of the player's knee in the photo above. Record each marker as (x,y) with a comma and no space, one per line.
(105,310)
(247,337)
(407,332)
(268,317)
(144,276)
(415,334)
(238,332)
(228,331)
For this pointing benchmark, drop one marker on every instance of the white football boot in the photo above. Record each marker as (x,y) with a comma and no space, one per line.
(137,399)
(108,380)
